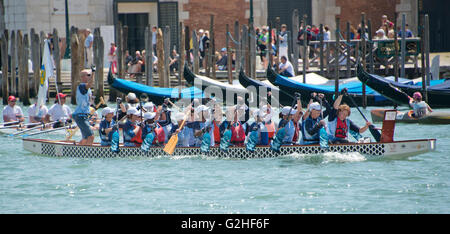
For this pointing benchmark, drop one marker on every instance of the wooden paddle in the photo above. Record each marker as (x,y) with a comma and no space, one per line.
(46,131)
(116,135)
(41,125)
(172,143)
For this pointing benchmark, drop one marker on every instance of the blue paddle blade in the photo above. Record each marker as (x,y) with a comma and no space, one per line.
(278,140)
(206,142)
(355,135)
(115,142)
(252,141)
(225,140)
(323,136)
(148,141)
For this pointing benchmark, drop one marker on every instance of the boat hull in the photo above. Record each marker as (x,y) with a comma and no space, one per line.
(291,86)
(438,95)
(394,150)
(405,117)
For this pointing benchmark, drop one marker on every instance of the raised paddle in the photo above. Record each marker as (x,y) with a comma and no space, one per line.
(115,138)
(323,135)
(375,133)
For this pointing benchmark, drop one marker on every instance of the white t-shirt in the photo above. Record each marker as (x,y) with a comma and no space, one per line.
(40,114)
(12,112)
(58,112)
(289,69)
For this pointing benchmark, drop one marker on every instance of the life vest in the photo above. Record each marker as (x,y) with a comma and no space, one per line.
(238,134)
(138,138)
(341,129)
(216,133)
(270,129)
(296,132)
(160,134)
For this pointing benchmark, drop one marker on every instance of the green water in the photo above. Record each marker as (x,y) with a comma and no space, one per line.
(324,184)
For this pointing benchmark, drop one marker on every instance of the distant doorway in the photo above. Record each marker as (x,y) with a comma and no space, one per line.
(136,23)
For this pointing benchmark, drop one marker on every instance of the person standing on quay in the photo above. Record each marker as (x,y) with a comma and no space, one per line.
(89,48)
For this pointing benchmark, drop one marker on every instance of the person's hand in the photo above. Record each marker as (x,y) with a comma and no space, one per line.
(323,123)
(368,123)
(321,96)
(298,96)
(344,91)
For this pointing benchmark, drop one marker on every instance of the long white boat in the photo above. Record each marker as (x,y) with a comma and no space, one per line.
(374,150)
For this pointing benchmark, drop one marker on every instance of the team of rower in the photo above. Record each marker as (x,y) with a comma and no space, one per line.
(202,124)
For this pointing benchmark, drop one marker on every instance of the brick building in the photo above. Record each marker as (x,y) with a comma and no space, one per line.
(44,15)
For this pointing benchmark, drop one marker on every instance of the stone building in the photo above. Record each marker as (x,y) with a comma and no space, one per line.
(44,15)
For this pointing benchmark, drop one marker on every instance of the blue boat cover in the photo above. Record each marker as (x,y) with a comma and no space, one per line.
(191,92)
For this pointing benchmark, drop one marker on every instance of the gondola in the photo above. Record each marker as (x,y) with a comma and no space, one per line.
(221,91)
(354,89)
(155,94)
(438,92)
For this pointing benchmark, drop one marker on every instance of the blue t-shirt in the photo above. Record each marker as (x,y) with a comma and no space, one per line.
(89,39)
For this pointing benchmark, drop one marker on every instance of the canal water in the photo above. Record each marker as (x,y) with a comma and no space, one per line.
(330,183)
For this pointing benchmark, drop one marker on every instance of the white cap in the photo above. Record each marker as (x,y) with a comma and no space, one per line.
(132,111)
(107,110)
(201,108)
(288,110)
(314,106)
(131,96)
(149,115)
(149,106)
(200,31)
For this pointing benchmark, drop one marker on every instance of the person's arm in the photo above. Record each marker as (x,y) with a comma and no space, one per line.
(429,108)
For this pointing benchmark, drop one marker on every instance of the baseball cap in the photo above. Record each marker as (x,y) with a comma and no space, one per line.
(132,111)
(223,49)
(314,106)
(288,110)
(417,95)
(149,115)
(107,110)
(131,96)
(60,95)
(11,98)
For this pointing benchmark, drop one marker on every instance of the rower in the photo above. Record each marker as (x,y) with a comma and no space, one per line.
(420,107)
(132,101)
(164,120)
(286,119)
(184,134)
(149,127)
(266,113)
(312,119)
(203,124)
(81,113)
(11,112)
(339,125)
(107,126)
(257,131)
(59,112)
(35,114)
(131,130)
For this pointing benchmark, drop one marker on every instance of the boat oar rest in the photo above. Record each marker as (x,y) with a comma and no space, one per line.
(387,131)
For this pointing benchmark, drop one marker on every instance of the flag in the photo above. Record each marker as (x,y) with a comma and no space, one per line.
(46,72)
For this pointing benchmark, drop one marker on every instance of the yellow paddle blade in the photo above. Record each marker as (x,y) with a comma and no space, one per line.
(171,144)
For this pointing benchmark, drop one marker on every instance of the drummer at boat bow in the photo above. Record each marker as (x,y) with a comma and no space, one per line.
(339,125)
(59,112)
(81,113)
(420,108)
(11,112)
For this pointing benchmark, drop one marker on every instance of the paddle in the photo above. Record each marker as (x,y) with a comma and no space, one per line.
(375,133)
(12,122)
(116,136)
(172,143)
(252,139)
(226,138)
(206,140)
(41,125)
(323,135)
(46,131)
